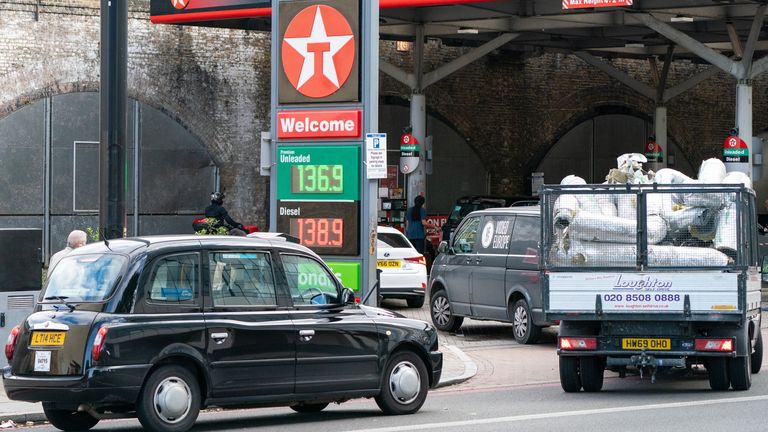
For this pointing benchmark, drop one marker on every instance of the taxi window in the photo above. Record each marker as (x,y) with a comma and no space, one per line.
(309,282)
(242,279)
(85,278)
(175,279)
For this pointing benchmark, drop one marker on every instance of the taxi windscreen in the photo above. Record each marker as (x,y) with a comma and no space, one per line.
(86,278)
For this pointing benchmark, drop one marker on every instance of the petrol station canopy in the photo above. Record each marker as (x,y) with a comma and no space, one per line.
(621,28)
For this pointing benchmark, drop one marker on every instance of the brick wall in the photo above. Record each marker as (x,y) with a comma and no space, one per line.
(215,82)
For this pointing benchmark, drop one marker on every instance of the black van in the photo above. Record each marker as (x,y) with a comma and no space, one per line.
(490,270)
(467,204)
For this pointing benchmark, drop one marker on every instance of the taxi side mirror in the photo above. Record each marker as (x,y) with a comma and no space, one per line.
(347,296)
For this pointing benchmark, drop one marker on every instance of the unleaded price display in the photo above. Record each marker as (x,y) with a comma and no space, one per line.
(323,179)
(326,227)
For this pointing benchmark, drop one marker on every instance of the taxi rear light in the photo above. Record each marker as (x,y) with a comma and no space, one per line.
(10,344)
(578,343)
(418,260)
(98,344)
(714,344)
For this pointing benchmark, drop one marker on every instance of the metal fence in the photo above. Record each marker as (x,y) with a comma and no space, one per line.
(648,226)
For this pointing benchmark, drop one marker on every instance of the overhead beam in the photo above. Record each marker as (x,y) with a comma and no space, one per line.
(665,73)
(398,74)
(738,51)
(754,34)
(458,63)
(734,68)
(640,87)
(690,83)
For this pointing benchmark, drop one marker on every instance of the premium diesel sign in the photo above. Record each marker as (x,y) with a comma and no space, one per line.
(319,51)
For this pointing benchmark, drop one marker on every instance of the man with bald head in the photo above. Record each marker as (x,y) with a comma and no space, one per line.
(75,239)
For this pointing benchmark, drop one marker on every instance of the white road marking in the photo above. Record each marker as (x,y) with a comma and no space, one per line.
(548,415)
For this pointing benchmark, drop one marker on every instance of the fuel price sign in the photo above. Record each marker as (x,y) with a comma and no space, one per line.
(328,173)
(328,228)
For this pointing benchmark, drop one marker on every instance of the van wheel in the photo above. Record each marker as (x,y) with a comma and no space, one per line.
(68,420)
(170,400)
(569,374)
(404,385)
(524,330)
(757,356)
(717,368)
(309,408)
(592,371)
(442,316)
(741,370)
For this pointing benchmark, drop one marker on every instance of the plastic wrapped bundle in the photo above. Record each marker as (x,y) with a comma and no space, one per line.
(712,171)
(610,229)
(591,254)
(738,177)
(725,234)
(698,222)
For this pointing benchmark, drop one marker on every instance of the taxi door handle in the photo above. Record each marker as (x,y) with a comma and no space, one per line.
(478,260)
(219,337)
(306,335)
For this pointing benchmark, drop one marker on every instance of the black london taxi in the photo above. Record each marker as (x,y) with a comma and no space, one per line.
(160,327)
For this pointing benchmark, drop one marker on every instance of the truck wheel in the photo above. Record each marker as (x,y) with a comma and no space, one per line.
(442,315)
(717,368)
(569,374)
(522,323)
(170,400)
(68,420)
(741,370)
(757,356)
(592,370)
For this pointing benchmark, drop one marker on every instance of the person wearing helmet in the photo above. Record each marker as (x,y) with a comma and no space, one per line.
(217,211)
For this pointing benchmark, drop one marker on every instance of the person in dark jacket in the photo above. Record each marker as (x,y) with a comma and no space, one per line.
(416,224)
(217,211)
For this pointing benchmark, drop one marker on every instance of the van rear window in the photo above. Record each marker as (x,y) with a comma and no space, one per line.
(85,278)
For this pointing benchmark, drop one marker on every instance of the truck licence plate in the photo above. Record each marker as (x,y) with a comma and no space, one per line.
(646,343)
(48,338)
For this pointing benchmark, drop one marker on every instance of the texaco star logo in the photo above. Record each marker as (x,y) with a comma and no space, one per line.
(318,51)
(180,4)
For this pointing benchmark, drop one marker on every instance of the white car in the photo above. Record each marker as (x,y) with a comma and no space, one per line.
(403,269)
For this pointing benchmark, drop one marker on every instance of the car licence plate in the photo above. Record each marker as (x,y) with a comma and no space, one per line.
(646,343)
(388,264)
(48,338)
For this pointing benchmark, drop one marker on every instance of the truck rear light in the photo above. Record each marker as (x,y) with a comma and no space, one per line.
(714,344)
(10,344)
(98,344)
(418,260)
(578,343)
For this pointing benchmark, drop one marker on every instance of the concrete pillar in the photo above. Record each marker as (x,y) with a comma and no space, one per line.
(417,180)
(744,123)
(660,130)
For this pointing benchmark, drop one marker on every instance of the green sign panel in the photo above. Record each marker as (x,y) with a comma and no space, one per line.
(329,173)
(348,273)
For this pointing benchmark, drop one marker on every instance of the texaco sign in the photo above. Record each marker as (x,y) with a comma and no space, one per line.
(319,51)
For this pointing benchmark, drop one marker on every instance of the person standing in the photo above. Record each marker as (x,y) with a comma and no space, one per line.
(416,224)
(217,211)
(75,239)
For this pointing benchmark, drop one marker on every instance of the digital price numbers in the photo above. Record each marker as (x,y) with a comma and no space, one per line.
(327,227)
(318,232)
(322,179)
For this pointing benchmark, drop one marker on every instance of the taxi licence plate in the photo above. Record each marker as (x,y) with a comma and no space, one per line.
(646,343)
(388,264)
(48,338)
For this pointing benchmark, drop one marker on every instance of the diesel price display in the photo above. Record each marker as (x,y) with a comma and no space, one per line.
(317,179)
(327,227)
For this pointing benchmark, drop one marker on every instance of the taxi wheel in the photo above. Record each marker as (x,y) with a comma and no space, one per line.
(592,371)
(170,400)
(68,420)
(309,408)
(404,385)
(524,330)
(717,369)
(441,313)
(570,380)
(415,302)
(757,356)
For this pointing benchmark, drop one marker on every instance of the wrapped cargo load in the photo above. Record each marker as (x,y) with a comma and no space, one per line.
(570,253)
